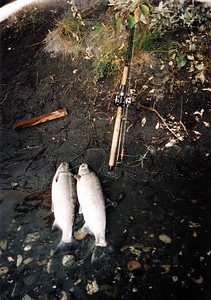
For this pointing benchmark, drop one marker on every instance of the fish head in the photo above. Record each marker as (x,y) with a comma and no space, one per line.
(63,167)
(83,169)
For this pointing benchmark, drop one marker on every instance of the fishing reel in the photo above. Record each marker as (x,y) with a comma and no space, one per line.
(122,100)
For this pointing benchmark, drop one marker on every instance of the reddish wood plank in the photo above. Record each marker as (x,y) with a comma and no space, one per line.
(41,119)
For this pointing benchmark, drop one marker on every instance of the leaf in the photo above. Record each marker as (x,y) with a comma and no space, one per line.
(199,66)
(131,22)
(181,60)
(143,19)
(137,14)
(172,52)
(181,63)
(190,57)
(118,21)
(145,10)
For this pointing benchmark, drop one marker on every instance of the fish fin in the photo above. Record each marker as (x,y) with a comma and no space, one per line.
(77,177)
(100,252)
(85,229)
(80,210)
(55,226)
(63,247)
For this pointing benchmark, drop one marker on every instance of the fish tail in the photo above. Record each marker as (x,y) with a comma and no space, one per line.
(100,252)
(63,247)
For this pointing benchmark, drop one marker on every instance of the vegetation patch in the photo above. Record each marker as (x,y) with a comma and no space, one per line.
(105,42)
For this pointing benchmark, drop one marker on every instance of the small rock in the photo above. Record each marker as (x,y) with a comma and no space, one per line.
(79,235)
(31,237)
(147,249)
(133,265)
(3,244)
(120,197)
(19,260)
(3,270)
(64,296)
(27,261)
(198,280)
(165,238)
(92,287)
(26,297)
(68,260)
(166,268)
(10,258)
(195,234)
(42,262)
(175,278)
(151,236)
(27,247)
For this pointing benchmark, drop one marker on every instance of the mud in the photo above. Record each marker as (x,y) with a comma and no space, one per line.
(160,212)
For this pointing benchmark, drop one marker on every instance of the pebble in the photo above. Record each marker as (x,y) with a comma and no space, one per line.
(10,258)
(133,265)
(27,261)
(92,287)
(165,238)
(79,235)
(64,296)
(26,297)
(147,249)
(27,247)
(19,260)
(151,236)
(198,280)
(175,278)
(120,197)
(32,237)
(3,244)
(68,260)
(3,270)
(166,268)
(135,251)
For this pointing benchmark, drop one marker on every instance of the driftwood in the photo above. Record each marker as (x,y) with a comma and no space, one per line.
(41,119)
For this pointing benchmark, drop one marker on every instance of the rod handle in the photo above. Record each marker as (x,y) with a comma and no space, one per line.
(125,75)
(115,138)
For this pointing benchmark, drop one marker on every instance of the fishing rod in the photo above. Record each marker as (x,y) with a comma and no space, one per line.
(122,101)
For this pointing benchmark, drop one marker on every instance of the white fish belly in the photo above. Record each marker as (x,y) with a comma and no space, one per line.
(64,199)
(90,197)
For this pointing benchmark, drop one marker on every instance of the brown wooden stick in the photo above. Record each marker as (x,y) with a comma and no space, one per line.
(41,119)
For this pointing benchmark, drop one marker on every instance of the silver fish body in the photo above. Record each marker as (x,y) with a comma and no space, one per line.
(64,199)
(92,204)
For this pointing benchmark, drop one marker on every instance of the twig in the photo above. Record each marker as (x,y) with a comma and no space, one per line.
(162,119)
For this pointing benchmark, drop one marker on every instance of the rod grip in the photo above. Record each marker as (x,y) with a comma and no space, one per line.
(125,75)
(115,138)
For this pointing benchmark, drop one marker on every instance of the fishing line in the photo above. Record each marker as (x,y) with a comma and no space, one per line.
(137,158)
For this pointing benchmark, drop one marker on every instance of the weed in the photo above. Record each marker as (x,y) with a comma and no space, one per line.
(109,51)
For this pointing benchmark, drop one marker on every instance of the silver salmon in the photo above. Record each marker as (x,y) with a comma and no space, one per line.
(64,199)
(92,205)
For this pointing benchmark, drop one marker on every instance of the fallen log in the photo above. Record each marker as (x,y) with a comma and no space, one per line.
(41,119)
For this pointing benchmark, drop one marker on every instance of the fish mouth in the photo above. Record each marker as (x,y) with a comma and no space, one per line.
(83,169)
(64,167)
